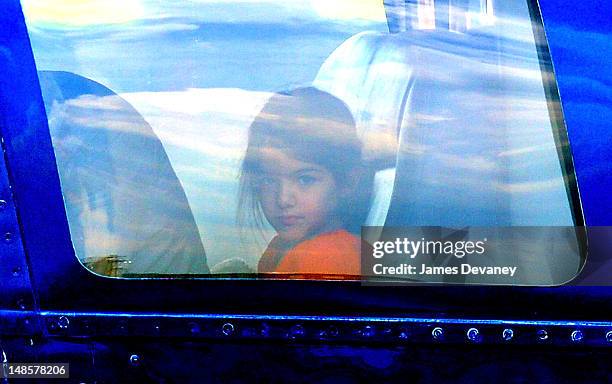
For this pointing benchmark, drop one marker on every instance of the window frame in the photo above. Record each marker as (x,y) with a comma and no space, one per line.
(62,283)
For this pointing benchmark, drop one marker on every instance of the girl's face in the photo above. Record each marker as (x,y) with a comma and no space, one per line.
(299,199)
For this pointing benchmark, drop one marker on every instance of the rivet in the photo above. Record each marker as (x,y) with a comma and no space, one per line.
(21,304)
(297,331)
(228,329)
(437,333)
(134,360)
(329,332)
(542,334)
(368,331)
(403,334)
(609,337)
(507,334)
(332,331)
(264,331)
(8,237)
(63,322)
(473,335)
(577,336)
(3,204)
(194,328)
(122,326)
(16,271)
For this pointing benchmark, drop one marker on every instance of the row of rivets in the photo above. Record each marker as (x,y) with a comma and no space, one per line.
(8,238)
(368,331)
(298,331)
(473,334)
(17,271)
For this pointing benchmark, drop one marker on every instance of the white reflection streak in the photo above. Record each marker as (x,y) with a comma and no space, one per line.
(468,162)
(426,15)
(525,150)
(109,113)
(146,31)
(194,136)
(218,172)
(198,100)
(422,117)
(530,187)
(530,111)
(460,17)
(81,13)
(485,17)
(476,71)
(516,29)
(213,122)
(108,123)
(100,103)
(234,2)
(70,14)
(522,73)
(511,29)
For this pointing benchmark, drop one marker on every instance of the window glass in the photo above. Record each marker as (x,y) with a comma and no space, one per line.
(240,137)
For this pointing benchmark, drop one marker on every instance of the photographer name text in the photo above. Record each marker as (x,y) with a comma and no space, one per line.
(463,269)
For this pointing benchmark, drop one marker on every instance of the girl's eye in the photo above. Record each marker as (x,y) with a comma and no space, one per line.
(306,180)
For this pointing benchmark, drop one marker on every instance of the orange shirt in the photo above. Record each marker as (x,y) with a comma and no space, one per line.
(336,252)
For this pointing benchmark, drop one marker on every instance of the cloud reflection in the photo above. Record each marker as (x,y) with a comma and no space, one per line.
(472,120)
(464,117)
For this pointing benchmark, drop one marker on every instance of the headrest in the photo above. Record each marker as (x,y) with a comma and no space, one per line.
(122,197)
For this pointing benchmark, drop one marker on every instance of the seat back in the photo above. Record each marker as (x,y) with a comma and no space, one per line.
(373,76)
(122,197)
(465,116)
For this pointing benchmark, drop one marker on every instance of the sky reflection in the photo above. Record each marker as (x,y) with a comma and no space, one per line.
(462,117)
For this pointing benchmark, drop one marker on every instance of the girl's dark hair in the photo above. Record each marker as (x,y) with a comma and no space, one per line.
(312,126)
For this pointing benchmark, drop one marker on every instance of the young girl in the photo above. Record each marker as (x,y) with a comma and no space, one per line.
(302,171)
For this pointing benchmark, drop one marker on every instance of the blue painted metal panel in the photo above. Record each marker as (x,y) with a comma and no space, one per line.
(15,285)
(28,151)
(64,284)
(579,39)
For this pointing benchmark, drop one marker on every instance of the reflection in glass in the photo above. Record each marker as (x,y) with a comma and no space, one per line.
(448,98)
(302,173)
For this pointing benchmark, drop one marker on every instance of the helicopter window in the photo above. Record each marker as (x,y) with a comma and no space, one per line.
(209,138)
